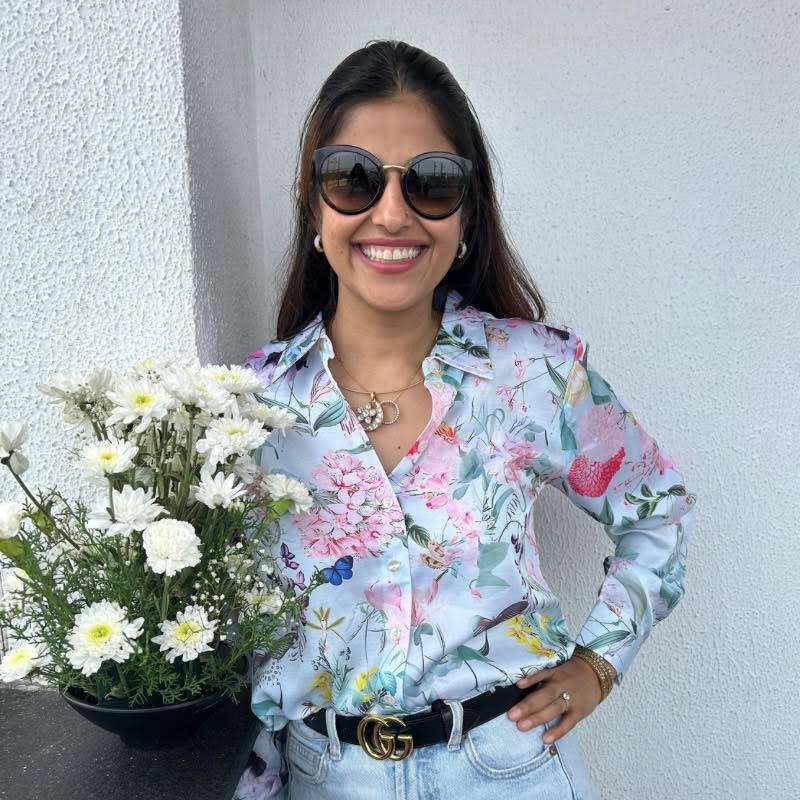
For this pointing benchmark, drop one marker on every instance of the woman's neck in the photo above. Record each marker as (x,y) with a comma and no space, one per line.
(382,347)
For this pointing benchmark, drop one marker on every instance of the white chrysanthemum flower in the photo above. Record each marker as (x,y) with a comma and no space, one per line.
(188,635)
(12,437)
(170,545)
(140,400)
(108,457)
(246,470)
(101,632)
(272,417)
(192,387)
(11,514)
(151,369)
(134,510)
(234,379)
(230,436)
(265,601)
(218,491)
(277,486)
(80,394)
(20,660)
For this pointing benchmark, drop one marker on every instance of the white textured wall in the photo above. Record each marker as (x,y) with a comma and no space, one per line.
(231,283)
(650,167)
(95,240)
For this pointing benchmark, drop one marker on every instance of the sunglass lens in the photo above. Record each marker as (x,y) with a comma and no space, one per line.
(435,186)
(349,181)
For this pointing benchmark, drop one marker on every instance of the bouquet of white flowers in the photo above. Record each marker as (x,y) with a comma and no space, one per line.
(151,595)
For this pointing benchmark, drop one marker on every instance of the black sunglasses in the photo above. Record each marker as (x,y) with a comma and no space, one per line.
(351,180)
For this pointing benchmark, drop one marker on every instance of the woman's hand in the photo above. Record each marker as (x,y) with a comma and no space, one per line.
(545,704)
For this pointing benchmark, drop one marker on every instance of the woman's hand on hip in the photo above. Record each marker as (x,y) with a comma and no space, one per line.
(546,703)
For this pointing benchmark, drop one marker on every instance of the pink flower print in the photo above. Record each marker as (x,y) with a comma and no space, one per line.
(371,480)
(601,432)
(476,595)
(464,519)
(422,603)
(350,422)
(507,394)
(651,457)
(534,571)
(443,458)
(385,595)
(614,597)
(520,368)
(349,505)
(510,455)
(337,471)
(320,386)
(591,478)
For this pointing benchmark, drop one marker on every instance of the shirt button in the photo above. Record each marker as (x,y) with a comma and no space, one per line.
(394,565)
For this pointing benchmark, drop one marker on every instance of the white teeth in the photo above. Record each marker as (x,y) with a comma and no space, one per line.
(390,253)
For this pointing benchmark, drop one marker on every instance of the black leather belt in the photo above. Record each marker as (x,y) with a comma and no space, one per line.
(395,737)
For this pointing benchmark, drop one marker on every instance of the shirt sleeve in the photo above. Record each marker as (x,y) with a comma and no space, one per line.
(615,472)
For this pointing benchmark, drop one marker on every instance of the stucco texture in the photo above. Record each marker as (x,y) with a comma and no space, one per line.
(649,169)
(648,163)
(95,237)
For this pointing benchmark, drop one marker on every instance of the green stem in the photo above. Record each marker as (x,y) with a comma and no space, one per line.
(165,597)
(122,680)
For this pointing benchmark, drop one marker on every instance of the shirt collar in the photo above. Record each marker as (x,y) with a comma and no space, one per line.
(461,341)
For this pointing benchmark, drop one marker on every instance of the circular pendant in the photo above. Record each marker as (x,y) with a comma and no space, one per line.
(370,415)
(396,412)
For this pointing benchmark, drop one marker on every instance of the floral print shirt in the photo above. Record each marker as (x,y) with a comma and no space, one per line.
(433,581)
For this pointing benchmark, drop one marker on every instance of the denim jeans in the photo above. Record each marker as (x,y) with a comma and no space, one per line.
(494,760)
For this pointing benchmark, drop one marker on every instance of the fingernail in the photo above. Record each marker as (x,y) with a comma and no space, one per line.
(547,739)
(514,714)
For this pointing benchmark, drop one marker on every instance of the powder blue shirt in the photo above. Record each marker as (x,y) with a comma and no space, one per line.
(435,588)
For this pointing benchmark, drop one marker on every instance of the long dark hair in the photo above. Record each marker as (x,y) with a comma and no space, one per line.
(491,276)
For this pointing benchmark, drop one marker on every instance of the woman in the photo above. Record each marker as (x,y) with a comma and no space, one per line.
(433,405)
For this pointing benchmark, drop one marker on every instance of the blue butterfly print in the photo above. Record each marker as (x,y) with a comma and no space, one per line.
(341,570)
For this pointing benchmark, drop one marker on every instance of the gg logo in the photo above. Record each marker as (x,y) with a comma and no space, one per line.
(378,740)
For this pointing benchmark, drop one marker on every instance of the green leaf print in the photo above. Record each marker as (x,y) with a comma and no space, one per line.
(568,442)
(498,504)
(419,535)
(636,594)
(607,639)
(677,490)
(389,682)
(560,383)
(458,331)
(489,556)
(332,415)
(601,391)
(606,516)
(291,409)
(425,629)
(470,467)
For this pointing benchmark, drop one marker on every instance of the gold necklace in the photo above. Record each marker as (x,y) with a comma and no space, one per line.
(370,415)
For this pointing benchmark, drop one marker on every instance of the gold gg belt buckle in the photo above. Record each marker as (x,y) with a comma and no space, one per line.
(378,739)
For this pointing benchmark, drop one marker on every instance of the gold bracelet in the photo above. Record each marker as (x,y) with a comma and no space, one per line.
(601,667)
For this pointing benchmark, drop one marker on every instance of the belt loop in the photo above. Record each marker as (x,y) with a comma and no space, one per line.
(457,710)
(334,745)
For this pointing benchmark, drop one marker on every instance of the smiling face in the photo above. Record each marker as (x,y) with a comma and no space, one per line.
(388,258)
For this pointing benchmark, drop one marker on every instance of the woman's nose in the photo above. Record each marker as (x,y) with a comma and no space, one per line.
(391,210)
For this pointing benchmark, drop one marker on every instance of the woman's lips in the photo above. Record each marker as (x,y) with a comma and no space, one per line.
(389,259)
